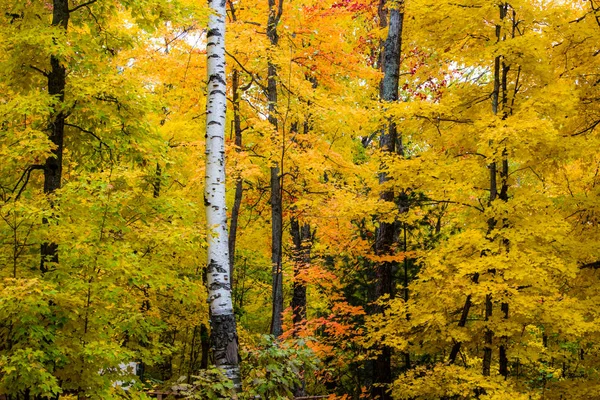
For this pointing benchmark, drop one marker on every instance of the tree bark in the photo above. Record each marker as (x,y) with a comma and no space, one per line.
(500,86)
(276,178)
(222,321)
(276,252)
(239,188)
(302,237)
(53,166)
(390,65)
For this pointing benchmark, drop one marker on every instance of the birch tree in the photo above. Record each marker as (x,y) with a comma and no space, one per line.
(223,326)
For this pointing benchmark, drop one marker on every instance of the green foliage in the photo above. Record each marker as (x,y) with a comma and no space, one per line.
(274,369)
(208,384)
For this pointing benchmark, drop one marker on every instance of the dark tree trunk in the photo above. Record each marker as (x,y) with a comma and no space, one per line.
(53,165)
(302,237)
(205,345)
(157,182)
(499,97)
(237,201)
(276,250)
(276,179)
(488,337)
(390,65)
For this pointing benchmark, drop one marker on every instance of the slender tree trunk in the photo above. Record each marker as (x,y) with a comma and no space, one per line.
(500,86)
(157,182)
(223,324)
(302,237)
(276,179)
(502,353)
(488,337)
(205,345)
(237,201)
(239,187)
(390,64)
(276,252)
(53,165)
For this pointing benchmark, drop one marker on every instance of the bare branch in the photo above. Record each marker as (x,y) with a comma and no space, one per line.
(592,265)
(431,201)
(252,76)
(25,179)
(87,3)
(41,71)
(588,129)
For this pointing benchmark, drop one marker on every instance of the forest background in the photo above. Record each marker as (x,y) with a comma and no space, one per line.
(412,191)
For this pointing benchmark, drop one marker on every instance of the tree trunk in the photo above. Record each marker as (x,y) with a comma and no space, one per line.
(205,345)
(237,202)
(276,250)
(500,85)
(302,238)
(53,165)
(223,325)
(276,179)
(390,65)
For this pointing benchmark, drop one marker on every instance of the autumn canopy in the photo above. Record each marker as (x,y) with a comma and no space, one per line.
(310,199)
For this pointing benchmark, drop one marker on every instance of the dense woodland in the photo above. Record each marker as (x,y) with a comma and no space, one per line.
(413,199)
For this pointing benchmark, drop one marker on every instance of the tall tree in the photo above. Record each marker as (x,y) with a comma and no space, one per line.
(390,65)
(57,77)
(239,184)
(223,324)
(276,177)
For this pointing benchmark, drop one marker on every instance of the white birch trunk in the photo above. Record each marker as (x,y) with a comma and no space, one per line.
(223,326)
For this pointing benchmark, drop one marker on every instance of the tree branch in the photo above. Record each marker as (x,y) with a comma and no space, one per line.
(588,129)
(87,3)
(592,265)
(25,179)
(432,201)
(252,76)
(41,71)
(98,138)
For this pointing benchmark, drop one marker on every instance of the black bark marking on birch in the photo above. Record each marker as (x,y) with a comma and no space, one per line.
(212,92)
(214,266)
(213,32)
(219,285)
(216,77)
(224,339)
(214,123)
